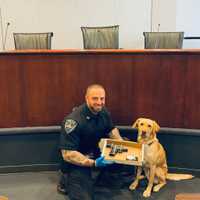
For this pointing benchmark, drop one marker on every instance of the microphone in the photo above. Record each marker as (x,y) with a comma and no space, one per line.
(5,36)
(158,28)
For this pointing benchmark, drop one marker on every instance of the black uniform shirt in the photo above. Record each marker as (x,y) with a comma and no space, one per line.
(82,130)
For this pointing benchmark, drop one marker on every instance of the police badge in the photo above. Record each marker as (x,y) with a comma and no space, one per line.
(70,125)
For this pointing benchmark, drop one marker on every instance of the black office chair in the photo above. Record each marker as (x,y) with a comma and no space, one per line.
(103,37)
(33,40)
(163,40)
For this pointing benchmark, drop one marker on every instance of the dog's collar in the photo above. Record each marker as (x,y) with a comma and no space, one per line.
(150,142)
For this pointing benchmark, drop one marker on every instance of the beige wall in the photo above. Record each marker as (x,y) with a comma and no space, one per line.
(64,18)
(164,15)
(187,19)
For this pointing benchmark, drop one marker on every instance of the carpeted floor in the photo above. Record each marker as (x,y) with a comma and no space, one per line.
(30,186)
(42,186)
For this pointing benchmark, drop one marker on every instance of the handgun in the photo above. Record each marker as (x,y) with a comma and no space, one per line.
(116,149)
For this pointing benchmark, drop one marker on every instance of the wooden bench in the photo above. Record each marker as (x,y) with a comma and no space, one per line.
(188,196)
(3,198)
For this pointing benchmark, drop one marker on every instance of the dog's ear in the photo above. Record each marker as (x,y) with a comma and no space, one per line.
(156,127)
(135,125)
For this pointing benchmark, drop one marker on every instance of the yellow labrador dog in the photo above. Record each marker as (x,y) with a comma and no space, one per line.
(155,164)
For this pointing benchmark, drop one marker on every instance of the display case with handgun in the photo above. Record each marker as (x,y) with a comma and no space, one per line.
(122,152)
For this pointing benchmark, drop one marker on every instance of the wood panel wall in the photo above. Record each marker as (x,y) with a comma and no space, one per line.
(39,88)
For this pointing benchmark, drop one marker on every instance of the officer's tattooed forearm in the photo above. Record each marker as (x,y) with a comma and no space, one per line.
(77,158)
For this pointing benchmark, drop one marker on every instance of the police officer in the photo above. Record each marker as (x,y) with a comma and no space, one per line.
(80,135)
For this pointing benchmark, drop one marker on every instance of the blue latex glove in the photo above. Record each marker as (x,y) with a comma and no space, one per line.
(100,162)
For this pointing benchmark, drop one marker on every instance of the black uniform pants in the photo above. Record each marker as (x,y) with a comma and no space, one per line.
(80,182)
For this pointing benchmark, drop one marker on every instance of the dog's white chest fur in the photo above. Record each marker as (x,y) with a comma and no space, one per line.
(148,154)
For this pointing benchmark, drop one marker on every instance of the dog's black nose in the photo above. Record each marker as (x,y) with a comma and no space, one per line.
(143,133)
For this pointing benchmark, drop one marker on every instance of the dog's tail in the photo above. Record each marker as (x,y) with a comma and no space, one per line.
(178,177)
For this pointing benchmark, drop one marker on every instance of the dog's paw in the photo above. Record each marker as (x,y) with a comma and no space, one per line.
(146,193)
(133,186)
(156,188)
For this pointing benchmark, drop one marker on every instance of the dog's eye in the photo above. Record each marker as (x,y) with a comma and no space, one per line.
(149,126)
(141,124)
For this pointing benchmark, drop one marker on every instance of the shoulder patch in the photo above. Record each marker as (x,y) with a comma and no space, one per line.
(70,125)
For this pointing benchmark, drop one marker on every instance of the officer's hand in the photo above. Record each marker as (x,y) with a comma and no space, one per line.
(100,162)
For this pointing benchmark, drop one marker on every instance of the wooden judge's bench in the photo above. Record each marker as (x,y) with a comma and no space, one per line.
(39,87)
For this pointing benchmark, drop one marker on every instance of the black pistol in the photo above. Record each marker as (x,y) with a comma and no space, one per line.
(116,149)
